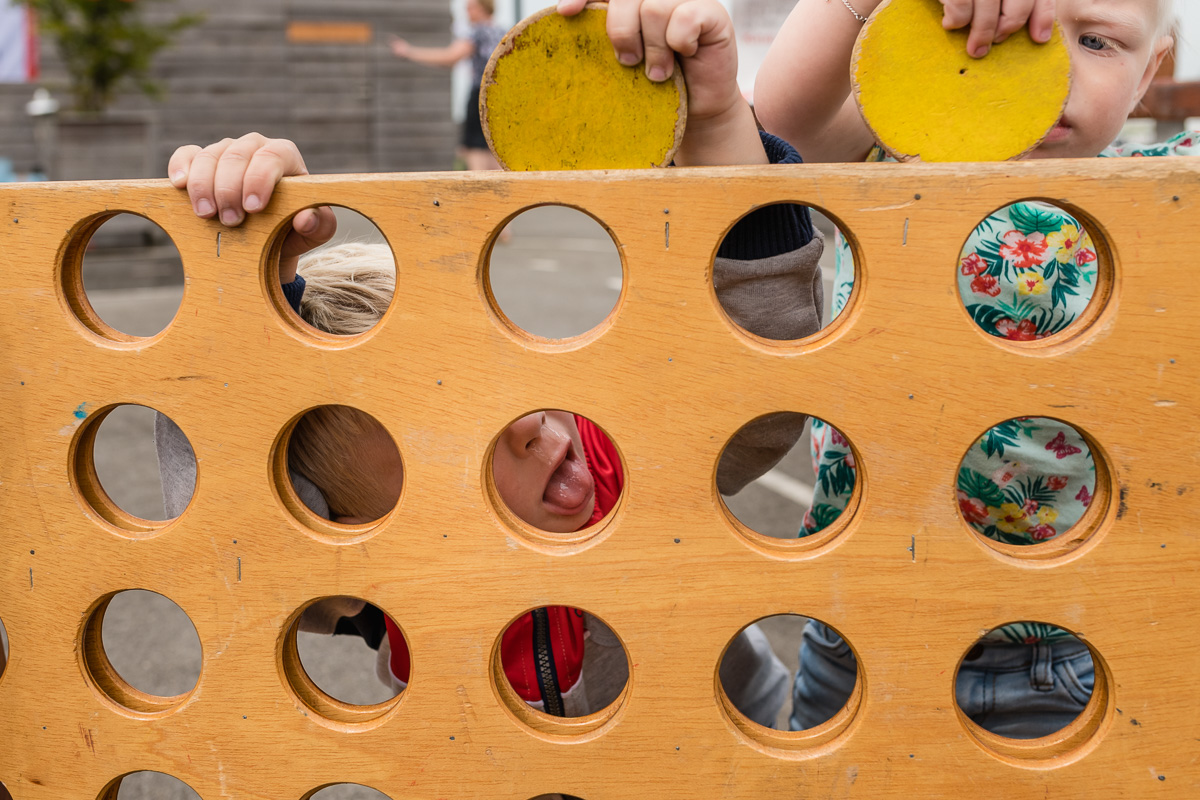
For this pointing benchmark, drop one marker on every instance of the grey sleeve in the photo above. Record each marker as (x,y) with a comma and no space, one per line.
(780,298)
(177,469)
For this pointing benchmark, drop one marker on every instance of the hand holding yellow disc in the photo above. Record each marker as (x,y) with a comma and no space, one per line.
(925,99)
(554,96)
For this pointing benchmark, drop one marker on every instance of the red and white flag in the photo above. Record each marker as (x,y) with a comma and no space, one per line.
(18,43)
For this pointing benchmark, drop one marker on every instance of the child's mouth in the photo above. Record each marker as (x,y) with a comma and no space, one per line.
(570,487)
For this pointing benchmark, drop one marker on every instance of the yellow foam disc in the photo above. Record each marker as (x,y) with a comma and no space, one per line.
(554,96)
(925,99)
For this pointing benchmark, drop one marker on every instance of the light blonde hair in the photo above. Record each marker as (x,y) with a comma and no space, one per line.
(1166,17)
(348,289)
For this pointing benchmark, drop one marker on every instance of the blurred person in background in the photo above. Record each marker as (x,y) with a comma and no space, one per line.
(476,43)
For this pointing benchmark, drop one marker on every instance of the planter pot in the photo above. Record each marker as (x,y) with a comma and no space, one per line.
(108,146)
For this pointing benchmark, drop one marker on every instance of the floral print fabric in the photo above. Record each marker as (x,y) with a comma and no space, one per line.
(1026,272)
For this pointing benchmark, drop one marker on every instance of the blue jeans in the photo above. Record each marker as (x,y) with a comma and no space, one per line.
(1022,691)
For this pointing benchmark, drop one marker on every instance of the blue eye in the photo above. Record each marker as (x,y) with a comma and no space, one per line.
(1093,42)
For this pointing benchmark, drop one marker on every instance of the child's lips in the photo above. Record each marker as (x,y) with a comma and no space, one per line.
(569,487)
(1060,131)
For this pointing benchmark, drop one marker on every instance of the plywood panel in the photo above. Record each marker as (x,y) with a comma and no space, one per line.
(903,373)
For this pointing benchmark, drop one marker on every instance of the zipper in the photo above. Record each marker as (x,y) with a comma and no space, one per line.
(543,657)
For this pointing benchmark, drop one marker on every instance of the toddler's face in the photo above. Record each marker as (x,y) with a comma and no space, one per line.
(1115,51)
(541,473)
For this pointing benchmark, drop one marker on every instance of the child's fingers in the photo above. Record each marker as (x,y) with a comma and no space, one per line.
(275,159)
(956,13)
(311,228)
(1013,16)
(625,30)
(1041,20)
(688,24)
(201,177)
(660,58)
(231,175)
(569,8)
(983,27)
(180,164)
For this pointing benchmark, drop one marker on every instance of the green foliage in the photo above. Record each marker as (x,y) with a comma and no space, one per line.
(1030,218)
(104,44)
(973,484)
(835,476)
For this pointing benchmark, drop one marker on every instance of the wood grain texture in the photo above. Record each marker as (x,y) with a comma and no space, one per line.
(903,373)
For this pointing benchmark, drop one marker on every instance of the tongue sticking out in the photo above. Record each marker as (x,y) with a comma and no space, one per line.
(570,486)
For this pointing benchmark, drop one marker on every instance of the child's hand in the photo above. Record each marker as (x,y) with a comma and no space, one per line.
(400,47)
(701,33)
(991,24)
(232,178)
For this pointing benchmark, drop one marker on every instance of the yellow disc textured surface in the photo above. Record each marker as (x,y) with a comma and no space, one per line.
(925,99)
(554,96)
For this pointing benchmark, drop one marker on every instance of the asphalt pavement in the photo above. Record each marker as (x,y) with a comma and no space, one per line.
(558,274)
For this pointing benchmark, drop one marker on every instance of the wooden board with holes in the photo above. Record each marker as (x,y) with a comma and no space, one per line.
(903,373)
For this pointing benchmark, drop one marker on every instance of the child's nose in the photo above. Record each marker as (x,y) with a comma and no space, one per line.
(522,436)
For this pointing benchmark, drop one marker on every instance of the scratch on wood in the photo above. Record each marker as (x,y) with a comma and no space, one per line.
(905,242)
(218,244)
(912,548)
(87,739)
(31,577)
(239,569)
(667,234)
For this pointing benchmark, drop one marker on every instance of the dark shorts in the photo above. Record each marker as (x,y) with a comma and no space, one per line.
(472,133)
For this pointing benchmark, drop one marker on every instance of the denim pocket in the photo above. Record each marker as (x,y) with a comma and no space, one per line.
(1078,675)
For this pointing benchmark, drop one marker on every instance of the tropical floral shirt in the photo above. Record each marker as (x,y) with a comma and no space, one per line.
(1026,272)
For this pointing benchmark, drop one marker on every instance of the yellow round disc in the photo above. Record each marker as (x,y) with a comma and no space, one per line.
(554,96)
(925,99)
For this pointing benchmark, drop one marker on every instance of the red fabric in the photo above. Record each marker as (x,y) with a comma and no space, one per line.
(31,45)
(566,624)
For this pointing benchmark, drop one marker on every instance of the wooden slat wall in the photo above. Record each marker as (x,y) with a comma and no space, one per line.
(351,107)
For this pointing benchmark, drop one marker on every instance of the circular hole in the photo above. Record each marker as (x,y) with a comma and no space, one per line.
(120,476)
(148,785)
(339,471)
(560,671)
(345,660)
(1032,487)
(1031,270)
(3,648)
(798,503)
(555,796)
(4,795)
(348,282)
(123,276)
(554,272)
(822,288)
(141,651)
(346,791)
(1031,690)
(759,696)
(554,477)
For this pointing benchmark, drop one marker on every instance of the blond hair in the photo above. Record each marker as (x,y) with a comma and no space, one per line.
(348,289)
(1166,17)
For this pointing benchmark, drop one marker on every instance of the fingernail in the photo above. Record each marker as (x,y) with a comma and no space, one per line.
(252,203)
(177,176)
(229,217)
(204,207)
(982,50)
(656,74)
(628,59)
(309,224)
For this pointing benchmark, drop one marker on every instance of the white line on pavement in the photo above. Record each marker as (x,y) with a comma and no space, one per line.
(787,487)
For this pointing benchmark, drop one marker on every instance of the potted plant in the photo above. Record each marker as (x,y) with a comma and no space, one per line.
(105,45)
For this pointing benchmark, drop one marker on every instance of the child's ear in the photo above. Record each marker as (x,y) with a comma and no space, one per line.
(1161,48)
